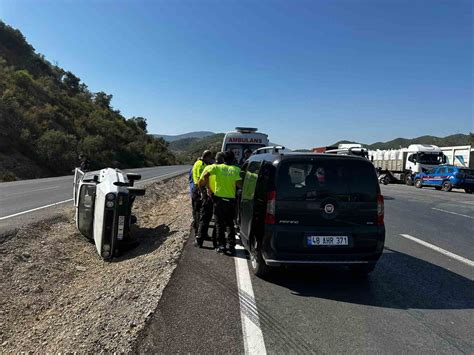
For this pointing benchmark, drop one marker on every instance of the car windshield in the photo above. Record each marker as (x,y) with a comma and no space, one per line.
(318,179)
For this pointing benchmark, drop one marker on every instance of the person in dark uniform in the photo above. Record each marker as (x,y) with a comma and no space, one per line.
(247,154)
(84,163)
(207,207)
(196,195)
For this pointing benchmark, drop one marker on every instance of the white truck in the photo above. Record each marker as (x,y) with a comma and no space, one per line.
(461,155)
(401,165)
(244,138)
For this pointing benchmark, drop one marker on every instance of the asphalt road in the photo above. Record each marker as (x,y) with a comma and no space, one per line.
(420,299)
(24,201)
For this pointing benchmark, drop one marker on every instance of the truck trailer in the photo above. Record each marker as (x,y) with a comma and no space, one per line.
(461,155)
(401,165)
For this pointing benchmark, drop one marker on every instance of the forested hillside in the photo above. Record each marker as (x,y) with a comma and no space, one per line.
(187,150)
(48,117)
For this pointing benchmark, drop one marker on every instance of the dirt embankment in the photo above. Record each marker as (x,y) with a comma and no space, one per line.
(57,295)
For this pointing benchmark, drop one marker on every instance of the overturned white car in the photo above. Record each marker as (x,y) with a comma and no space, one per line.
(103,202)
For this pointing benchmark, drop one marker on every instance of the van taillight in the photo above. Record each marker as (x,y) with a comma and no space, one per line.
(380,210)
(270,214)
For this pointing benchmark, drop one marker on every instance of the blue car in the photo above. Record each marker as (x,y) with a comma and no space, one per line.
(446,178)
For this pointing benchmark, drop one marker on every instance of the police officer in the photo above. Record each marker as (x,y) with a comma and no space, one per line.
(227,179)
(207,206)
(196,195)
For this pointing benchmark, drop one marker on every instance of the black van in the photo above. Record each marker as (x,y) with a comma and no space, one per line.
(300,208)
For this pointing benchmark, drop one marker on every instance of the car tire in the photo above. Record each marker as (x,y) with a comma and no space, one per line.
(386,180)
(446,186)
(468,191)
(418,183)
(259,268)
(362,270)
(408,180)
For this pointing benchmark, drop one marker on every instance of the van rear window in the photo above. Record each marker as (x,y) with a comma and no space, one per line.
(309,180)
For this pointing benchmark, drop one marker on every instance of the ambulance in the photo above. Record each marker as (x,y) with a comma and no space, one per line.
(244,138)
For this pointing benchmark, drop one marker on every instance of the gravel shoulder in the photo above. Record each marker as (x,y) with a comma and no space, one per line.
(57,295)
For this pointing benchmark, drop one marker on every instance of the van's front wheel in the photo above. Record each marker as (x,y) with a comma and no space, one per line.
(259,268)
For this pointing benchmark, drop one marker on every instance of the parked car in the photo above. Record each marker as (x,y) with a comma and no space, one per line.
(299,208)
(446,178)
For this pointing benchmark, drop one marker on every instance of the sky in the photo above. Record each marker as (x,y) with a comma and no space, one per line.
(308,73)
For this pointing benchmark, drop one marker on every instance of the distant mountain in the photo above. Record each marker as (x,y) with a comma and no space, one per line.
(171,138)
(454,139)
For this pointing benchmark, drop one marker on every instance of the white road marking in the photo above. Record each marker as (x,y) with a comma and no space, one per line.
(252,333)
(35,190)
(35,209)
(440,250)
(457,214)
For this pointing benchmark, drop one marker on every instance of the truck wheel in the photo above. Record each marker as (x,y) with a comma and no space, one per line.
(259,268)
(418,183)
(468,191)
(446,186)
(408,180)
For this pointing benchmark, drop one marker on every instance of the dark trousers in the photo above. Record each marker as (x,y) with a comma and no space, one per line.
(205,217)
(224,211)
(196,204)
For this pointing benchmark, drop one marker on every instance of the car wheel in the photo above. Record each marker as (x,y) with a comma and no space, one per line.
(362,270)
(386,180)
(446,186)
(408,180)
(259,268)
(418,183)
(468,191)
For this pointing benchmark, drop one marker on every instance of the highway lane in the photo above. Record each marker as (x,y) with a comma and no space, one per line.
(18,197)
(418,300)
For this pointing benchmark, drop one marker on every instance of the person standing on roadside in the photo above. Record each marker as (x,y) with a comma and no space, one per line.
(227,179)
(207,207)
(84,163)
(196,195)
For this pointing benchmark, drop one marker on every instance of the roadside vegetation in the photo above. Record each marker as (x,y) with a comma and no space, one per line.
(48,117)
(187,150)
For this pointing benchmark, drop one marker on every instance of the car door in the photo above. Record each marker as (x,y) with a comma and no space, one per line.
(247,200)
(430,177)
(440,176)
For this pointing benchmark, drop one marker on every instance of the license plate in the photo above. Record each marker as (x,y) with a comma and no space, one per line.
(327,240)
(121,226)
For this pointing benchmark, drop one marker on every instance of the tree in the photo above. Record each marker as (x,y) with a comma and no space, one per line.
(102,100)
(72,83)
(140,122)
(57,151)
